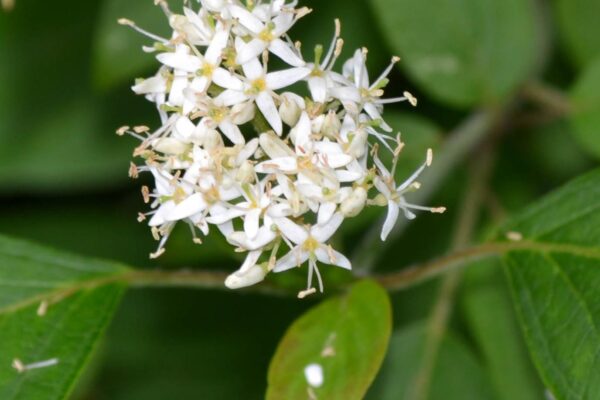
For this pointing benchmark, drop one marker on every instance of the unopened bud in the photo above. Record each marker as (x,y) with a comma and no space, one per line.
(212,140)
(250,277)
(355,203)
(331,125)
(291,108)
(170,146)
(245,173)
(242,113)
(380,200)
(358,143)
(274,147)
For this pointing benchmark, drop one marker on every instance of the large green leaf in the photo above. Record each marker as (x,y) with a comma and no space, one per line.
(347,336)
(462,52)
(457,374)
(489,315)
(78,309)
(579,28)
(118,54)
(585,98)
(555,285)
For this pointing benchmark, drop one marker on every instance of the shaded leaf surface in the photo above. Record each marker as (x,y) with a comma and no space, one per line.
(585,97)
(76,317)
(494,328)
(462,52)
(347,336)
(555,287)
(579,28)
(457,373)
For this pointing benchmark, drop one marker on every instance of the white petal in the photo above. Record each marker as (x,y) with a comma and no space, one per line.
(156,84)
(247,19)
(266,105)
(180,61)
(283,164)
(335,160)
(232,132)
(347,93)
(264,237)
(390,220)
(332,257)
(226,80)
(291,230)
(218,43)
(231,97)
(253,69)
(161,213)
(279,210)
(302,132)
(280,79)
(249,51)
(251,223)
(326,211)
(318,88)
(374,114)
(284,51)
(323,232)
(294,258)
(343,175)
(188,207)
(184,128)
(224,216)
(247,152)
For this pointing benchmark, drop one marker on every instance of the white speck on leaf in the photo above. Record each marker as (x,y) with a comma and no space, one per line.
(314,375)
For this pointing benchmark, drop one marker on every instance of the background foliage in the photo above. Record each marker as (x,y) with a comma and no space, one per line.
(509,88)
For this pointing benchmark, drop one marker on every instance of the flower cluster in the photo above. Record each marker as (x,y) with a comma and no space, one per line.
(312,163)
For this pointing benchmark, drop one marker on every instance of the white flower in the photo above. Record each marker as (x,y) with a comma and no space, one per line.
(259,86)
(310,246)
(395,195)
(312,162)
(267,35)
(362,92)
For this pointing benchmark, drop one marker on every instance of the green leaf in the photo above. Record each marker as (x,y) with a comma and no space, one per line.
(457,373)
(118,54)
(78,310)
(555,286)
(493,326)
(462,52)
(579,29)
(347,336)
(585,99)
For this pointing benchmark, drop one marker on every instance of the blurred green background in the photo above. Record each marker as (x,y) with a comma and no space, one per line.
(65,72)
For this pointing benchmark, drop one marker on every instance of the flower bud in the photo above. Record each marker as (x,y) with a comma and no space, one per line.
(291,108)
(213,140)
(274,147)
(358,143)
(331,125)
(245,173)
(170,146)
(252,276)
(242,113)
(355,203)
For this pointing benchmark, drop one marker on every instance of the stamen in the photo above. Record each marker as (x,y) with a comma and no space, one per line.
(304,293)
(21,367)
(131,24)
